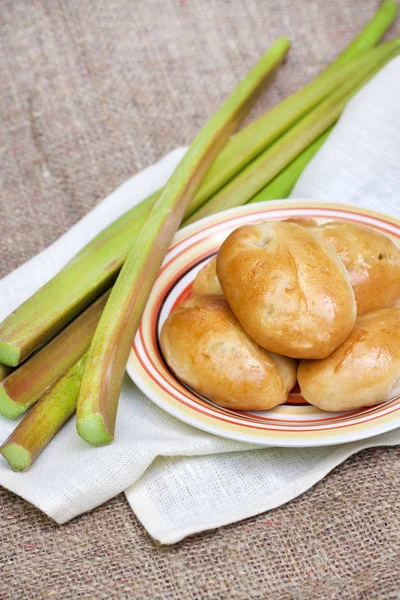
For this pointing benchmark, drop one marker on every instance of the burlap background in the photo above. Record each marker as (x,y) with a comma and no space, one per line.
(90,92)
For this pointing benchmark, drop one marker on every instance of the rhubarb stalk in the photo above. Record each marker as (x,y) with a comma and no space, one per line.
(108,353)
(90,273)
(371,32)
(25,385)
(273,160)
(281,186)
(261,133)
(43,421)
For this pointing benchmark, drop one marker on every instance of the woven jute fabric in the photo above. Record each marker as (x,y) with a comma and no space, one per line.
(90,93)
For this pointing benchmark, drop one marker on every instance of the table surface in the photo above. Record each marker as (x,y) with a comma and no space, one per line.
(90,93)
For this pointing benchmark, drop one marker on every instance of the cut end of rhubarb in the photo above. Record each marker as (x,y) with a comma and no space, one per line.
(17,457)
(92,430)
(9,355)
(9,408)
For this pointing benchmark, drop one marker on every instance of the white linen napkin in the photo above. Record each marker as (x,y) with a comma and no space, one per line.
(177,479)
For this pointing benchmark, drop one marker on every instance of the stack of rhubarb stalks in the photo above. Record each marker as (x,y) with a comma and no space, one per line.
(70,341)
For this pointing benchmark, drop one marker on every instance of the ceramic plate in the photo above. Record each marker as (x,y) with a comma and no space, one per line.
(295,423)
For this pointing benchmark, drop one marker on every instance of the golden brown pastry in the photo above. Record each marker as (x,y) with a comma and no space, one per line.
(205,346)
(206,281)
(288,289)
(363,371)
(371,259)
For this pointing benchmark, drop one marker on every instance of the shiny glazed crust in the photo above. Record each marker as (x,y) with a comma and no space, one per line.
(371,259)
(288,289)
(363,371)
(205,346)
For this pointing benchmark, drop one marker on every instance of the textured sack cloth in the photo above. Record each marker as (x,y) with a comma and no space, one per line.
(211,481)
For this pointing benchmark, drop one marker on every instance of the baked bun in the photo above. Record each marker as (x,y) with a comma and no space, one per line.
(206,281)
(371,259)
(363,371)
(288,289)
(205,346)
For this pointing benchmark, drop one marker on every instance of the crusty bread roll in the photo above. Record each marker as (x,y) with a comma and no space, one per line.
(371,259)
(206,281)
(288,289)
(363,371)
(205,346)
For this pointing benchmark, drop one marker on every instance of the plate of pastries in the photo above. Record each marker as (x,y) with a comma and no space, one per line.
(277,324)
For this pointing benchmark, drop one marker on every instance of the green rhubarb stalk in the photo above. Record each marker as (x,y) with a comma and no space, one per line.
(261,133)
(254,138)
(370,35)
(95,268)
(92,271)
(25,385)
(43,421)
(108,353)
(281,186)
(273,160)
(371,32)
